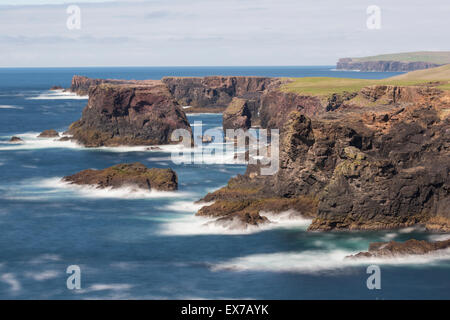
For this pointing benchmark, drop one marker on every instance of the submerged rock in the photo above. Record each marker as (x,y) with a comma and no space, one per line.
(394,249)
(49,134)
(56,88)
(15,139)
(122,175)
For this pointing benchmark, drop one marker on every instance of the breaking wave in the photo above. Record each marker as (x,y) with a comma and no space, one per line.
(55,188)
(320,261)
(190,225)
(58,95)
(10,107)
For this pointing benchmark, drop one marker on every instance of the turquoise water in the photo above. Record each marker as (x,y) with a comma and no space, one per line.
(141,245)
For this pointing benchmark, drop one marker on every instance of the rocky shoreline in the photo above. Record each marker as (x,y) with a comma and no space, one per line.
(373,158)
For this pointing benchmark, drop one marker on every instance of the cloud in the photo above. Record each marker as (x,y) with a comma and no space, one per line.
(213,32)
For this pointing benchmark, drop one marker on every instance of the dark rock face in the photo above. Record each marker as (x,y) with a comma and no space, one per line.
(379,161)
(81,85)
(129,115)
(123,175)
(215,93)
(395,249)
(237,115)
(383,66)
(49,134)
(15,139)
(56,88)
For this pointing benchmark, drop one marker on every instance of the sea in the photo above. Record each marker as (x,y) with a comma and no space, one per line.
(134,244)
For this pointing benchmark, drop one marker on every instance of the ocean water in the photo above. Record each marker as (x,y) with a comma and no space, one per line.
(143,245)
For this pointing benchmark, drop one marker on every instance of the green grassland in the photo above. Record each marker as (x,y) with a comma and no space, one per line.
(325,86)
(438,57)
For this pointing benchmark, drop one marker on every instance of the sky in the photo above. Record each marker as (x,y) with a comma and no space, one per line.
(215,33)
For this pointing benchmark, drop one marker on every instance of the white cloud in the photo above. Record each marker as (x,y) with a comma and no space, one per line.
(215,32)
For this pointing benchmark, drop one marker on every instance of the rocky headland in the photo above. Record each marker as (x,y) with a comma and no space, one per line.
(398,249)
(375,158)
(383,66)
(127,175)
(396,62)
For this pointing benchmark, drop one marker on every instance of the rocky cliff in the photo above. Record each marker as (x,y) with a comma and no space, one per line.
(383,66)
(378,159)
(215,93)
(128,114)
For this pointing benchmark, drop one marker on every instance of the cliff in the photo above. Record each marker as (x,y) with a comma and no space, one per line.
(379,158)
(383,66)
(403,62)
(215,93)
(124,175)
(128,114)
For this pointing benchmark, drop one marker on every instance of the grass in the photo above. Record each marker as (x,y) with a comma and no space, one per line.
(438,57)
(323,86)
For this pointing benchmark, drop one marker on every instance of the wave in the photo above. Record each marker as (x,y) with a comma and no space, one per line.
(190,225)
(31,141)
(320,261)
(58,95)
(55,188)
(10,107)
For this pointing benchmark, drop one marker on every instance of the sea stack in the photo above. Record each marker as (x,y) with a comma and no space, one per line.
(129,114)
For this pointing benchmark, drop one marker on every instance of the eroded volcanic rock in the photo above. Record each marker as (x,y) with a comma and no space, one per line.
(129,114)
(123,175)
(379,159)
(395,249)
(237,115)
(215,93)
(48,134)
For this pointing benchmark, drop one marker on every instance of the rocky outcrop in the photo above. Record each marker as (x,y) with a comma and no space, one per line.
(383,66)
(81,84)
(380,159)
(125,175)
(237,115)
(213,94)
(49,134)
(396,249)
(129,114)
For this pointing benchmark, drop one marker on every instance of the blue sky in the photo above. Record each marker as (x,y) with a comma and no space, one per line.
(210,32)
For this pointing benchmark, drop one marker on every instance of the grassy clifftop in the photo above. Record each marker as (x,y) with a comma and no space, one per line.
(325,86)
(438,57)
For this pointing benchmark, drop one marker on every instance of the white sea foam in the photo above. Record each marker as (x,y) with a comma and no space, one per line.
(44,275)
(32,142)
(45,189)
(192,225)
(439,237)
(58,95)
(320,261)
(11,280)
(10,107)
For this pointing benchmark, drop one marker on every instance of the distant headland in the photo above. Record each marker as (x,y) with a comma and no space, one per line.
(396,62)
